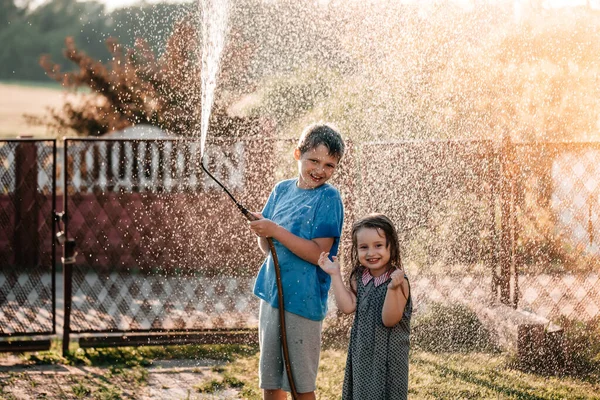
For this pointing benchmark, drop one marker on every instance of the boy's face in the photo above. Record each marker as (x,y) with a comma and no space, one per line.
(315,166)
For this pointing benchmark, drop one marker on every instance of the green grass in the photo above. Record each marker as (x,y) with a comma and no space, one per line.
(80,390)
(440,376)
(486,376)
(215,385)
(127,357)
(432,375)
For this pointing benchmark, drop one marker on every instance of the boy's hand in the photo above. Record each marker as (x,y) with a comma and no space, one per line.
(397,279)
(263,227)
(330,267)
(256,216)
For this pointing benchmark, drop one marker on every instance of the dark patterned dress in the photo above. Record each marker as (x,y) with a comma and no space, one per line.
(377,364)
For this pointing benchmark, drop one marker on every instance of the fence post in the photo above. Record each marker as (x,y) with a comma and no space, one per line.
(26,239)
(67,266)
(506,219)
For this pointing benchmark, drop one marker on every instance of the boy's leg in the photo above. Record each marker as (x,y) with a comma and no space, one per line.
(306,396)
(270,367)
(304,345)
(277,394)
(282,395)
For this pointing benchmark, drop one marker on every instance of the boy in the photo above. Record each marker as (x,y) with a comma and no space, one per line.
(304,216)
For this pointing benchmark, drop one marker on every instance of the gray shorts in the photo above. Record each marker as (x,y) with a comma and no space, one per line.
(304,347)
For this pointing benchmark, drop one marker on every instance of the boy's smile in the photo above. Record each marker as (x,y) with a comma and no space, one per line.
(315,166)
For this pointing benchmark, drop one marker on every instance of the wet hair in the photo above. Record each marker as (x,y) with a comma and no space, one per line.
(318,134)
(383,225)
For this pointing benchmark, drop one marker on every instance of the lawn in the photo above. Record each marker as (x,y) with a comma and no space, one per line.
(230,372)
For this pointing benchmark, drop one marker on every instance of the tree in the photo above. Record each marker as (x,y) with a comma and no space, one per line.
(136,86)
(28,32)
(550,65)
(11,12)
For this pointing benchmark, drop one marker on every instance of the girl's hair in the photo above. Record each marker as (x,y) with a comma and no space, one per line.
(383,225)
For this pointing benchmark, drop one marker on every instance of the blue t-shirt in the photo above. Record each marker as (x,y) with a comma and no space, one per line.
(309,214)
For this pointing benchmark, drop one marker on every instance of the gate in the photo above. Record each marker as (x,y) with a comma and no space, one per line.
(27,245)
(164,256)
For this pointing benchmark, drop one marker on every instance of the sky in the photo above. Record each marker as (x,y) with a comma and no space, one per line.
(112,4)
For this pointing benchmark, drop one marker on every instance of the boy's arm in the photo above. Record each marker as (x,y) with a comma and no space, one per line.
(395,299)
(306,249)
(329,221)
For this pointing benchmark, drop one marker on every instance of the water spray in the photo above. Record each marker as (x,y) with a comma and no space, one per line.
(214,28)
(282,331)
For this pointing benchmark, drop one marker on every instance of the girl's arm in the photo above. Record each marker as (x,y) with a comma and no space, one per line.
(345,300)
(306,249)
(395,299)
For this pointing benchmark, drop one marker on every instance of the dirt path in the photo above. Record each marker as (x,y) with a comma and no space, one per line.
(166,379)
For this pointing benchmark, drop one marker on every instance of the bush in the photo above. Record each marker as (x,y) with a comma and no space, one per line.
(450,328)
(582,346)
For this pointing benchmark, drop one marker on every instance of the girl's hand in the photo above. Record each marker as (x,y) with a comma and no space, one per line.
(329,267)
(397,279)
(262,227)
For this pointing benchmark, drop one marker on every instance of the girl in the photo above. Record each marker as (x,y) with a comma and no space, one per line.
(377,363)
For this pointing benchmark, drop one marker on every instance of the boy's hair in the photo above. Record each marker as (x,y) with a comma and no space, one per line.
(318,134)
(383,225)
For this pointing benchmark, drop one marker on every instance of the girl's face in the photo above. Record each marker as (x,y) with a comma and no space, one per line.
(373,251)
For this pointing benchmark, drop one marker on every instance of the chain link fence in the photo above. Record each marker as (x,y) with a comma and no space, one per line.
(162,248)
(27,256)
(443,197)
(557,235)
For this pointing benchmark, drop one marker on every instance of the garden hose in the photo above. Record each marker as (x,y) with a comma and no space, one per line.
(282,330)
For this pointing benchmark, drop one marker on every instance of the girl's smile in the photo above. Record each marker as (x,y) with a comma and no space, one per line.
(373,250)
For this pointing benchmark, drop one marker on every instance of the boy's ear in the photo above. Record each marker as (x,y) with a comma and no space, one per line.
(297,154)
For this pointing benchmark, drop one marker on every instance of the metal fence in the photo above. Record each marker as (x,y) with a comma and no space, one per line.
(444,198)
(162,249)
(557,228)
(27,248)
